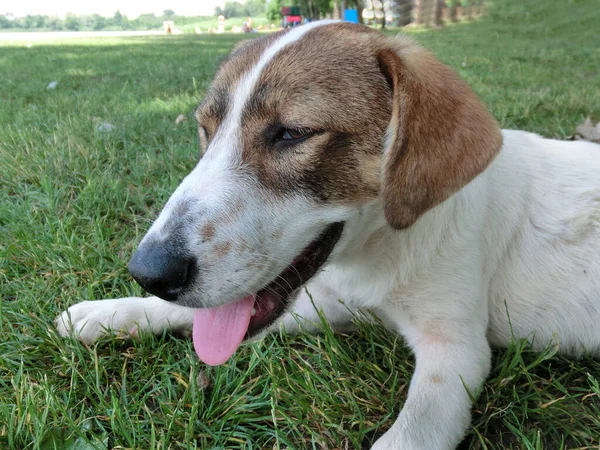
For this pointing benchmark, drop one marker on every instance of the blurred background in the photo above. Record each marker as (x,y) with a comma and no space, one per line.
(225,16)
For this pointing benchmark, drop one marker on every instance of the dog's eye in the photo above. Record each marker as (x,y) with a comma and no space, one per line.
(291,136)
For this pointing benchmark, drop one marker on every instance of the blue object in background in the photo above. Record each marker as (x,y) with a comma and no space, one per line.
(351,15)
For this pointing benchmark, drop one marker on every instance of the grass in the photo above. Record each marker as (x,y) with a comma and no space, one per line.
(75,201)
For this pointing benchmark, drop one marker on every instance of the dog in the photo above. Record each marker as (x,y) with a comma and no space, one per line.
(344,164)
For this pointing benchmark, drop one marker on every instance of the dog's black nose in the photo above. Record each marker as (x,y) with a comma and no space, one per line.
(160,270)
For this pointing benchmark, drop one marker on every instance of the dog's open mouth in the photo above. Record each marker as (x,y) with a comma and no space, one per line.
(218,332)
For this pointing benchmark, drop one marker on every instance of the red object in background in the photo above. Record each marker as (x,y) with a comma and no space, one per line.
(292,19)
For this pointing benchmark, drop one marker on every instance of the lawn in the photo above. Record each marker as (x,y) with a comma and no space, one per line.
(74,202)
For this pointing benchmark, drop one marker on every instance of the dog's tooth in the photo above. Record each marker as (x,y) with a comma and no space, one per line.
(253,311)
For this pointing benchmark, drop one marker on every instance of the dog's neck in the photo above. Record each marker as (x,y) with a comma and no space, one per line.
(368,236)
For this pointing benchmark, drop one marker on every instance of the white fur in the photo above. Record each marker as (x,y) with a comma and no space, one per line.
(522,238)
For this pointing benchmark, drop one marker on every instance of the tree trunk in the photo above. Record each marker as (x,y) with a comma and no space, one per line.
(452,11)
(337,12)
(403,11)
(437,14)
(423,12)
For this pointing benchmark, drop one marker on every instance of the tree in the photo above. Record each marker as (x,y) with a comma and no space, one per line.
(120,21)
(36,21)
(468,7)
(168,13)
(118,18)
(234,9)
(437,15)
(28,22)
(337,12)
(402,10)
(453,10)
(255,7)
(314,8)
(72,22)
(274,10)
(54,23)
(424,11)
(97,22)
(5,22)
(147,22)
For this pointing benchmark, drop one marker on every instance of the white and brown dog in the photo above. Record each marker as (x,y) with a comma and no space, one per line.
(362,168)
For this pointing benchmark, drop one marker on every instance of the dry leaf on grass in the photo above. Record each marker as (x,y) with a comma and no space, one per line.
(587,131)
(202,380)
(106,127)
(180,118)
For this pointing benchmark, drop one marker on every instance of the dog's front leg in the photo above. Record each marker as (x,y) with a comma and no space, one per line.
(313,301)
(90,320)
(452,361)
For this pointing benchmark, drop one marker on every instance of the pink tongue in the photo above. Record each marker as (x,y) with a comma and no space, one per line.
(218,332)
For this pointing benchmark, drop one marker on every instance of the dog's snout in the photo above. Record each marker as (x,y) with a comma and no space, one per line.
(161,271)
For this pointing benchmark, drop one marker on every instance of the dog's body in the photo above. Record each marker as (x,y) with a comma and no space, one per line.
(445,247)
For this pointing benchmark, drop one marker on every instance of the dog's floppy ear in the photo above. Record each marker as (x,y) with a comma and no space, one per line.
(440,137)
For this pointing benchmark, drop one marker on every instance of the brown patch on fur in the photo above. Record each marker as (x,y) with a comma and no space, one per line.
(208,231)
(436,379)
(277,234)
(370,169)
(232,214)
(236,210)
(222,249)
(241,247)
(442,134)
(254,264)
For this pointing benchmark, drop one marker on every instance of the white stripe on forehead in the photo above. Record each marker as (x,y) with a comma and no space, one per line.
(244,89)
(228,135)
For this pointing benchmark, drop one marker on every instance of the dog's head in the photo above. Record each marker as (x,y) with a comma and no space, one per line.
(299,132)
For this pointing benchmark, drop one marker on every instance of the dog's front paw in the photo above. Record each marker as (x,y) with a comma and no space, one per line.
(91,320)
